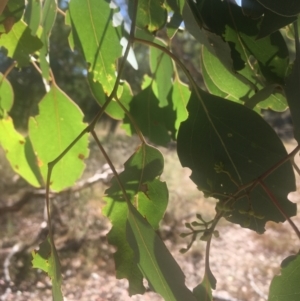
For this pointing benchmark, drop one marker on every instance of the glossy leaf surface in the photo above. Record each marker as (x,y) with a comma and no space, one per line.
(56,126)
(224,152)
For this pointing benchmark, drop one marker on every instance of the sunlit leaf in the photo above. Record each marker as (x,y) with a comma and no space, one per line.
(20,43)
(203,291)
(6,95)
(56,126)
(98,39)
(227,150)
(46,259)
(19,152)
(155,261)
(286,286)
(148,194)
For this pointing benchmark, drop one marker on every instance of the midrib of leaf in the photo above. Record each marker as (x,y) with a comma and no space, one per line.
(96,39)
(149,254)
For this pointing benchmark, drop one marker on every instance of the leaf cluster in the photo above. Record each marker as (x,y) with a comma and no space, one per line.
(249,56)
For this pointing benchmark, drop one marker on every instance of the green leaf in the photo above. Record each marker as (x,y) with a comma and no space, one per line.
(10,13)
(46,259)
(113,109)
(19,152)
(33,15)
(222,78)
(48,18)
(292,90)
(283,8)
(286,286)
(228,150)
(150,118)
(151,15)
(98,39)
(20,43)
(162,69)
(148,194)
(180,96)
(176,19)
(154,260)
(56,126)
(6,96)
(203,291)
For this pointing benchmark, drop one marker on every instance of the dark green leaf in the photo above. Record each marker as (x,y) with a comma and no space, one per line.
(150,118)
(10,13)
(203,291)
(286,286)
(155,261)
(283,8)
(20,43)
(227,150)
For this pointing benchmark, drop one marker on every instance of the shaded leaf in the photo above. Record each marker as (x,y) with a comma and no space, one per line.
(98,39)
(283,8)
(286,286)
(113,109)
(46,259)
(292,90)
(203,291)
(56,126)
(154,260)
(47,21)
(161,67)
(33,15)
(151,15)
(150,118)
(20,43)
(148,194)
(225,151)
(19,152)
(10,13)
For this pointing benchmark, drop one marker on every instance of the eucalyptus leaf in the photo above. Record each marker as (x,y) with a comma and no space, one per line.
(226,151)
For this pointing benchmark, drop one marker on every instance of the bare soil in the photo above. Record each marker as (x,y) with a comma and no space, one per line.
(242,261)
